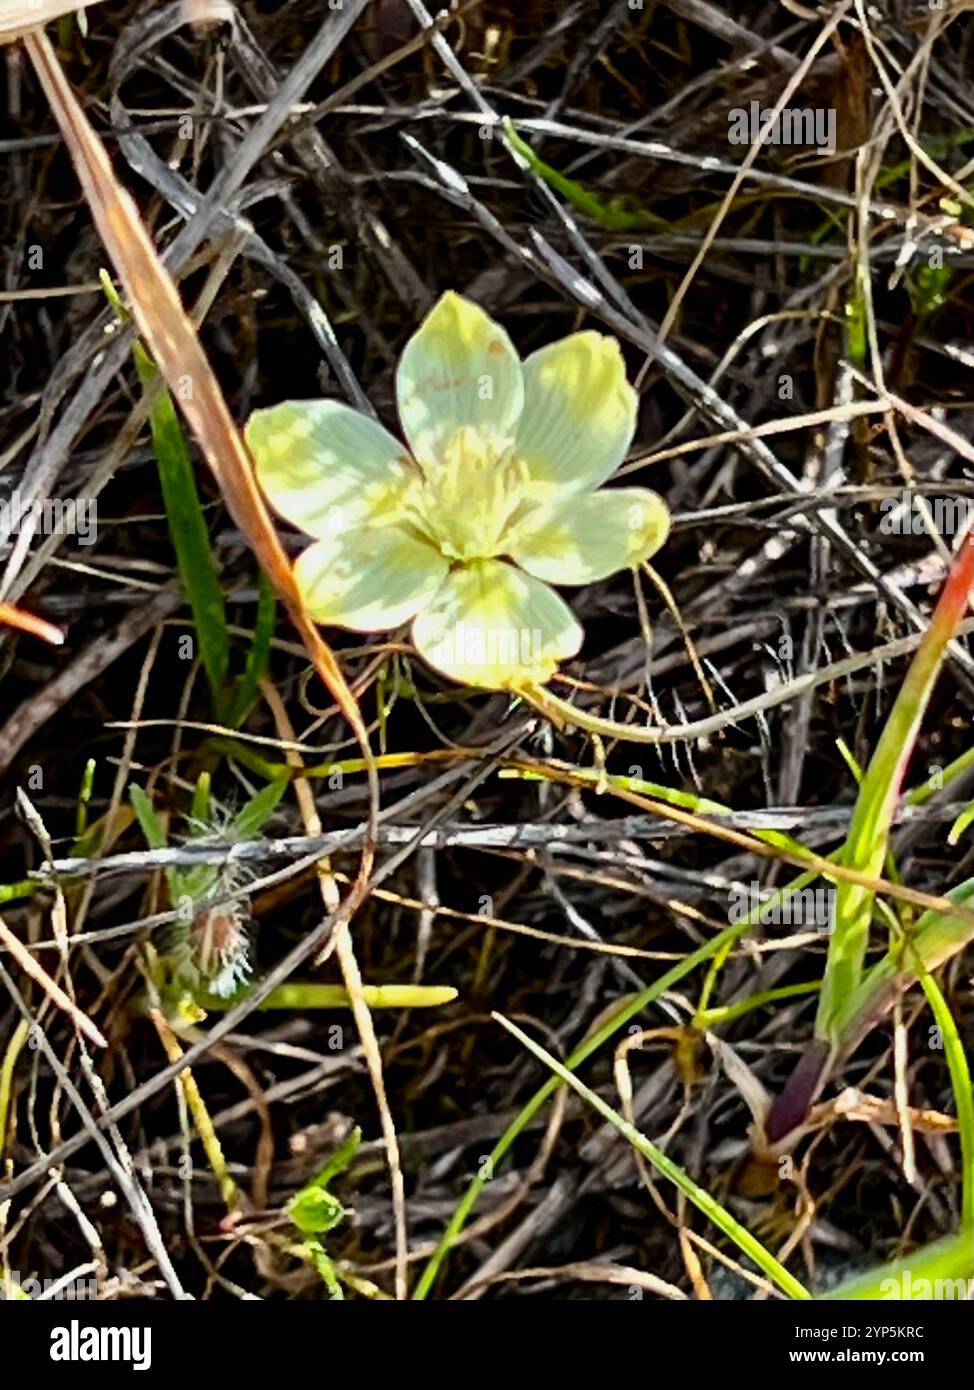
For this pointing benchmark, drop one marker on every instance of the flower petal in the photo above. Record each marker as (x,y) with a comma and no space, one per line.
(369,579)
(590,536)
(459,368)
(579,412)
(491,625)
(326,467)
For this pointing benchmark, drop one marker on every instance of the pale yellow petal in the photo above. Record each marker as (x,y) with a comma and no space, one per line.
(369,579)
(579,412)
(326,467)
(458,369)
(491,625)
(590,536)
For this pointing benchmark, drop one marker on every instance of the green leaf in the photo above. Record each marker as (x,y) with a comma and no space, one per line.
(152,826)
(935,937)
(249,821)
(960,1077)
(248,683)
(961,824)
(188,532)
(314,1210)
(187,525)
(611,213)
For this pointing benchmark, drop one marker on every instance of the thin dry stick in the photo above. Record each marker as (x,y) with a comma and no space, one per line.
(53,990)
(41,705)
(794,82)
(353,983)
(786,425)
(562,713)
(666,593)
(831,869)
(212,1147)
(911,142)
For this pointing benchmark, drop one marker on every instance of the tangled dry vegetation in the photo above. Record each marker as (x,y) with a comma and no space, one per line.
(795,317)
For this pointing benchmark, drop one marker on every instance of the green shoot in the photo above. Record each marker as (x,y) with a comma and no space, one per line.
(315,1212)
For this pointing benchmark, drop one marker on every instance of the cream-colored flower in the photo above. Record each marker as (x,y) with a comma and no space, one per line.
(496,500)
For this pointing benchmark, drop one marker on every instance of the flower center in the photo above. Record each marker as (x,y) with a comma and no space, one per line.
(468,496)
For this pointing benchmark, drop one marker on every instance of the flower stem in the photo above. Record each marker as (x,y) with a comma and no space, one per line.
(562,713)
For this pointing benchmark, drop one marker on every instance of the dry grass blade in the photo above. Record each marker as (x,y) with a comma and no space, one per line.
(794,82)
(167,329)
(50,987)
(27,622)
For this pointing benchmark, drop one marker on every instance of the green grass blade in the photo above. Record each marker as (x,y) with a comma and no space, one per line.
(935,937)
(714,950)
(249,821)
(184,516)
(868,840)
(960,1077)
(258,657)
(943,1269)
(700,1198)
(341,1160)
(188,532)
(152,827)
(919,795)
(628,1010)
(608,213)
(723,1014)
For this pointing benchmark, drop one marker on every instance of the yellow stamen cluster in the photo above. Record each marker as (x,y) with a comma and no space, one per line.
(468,499)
